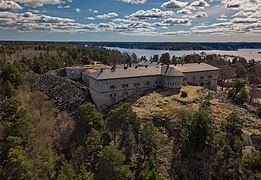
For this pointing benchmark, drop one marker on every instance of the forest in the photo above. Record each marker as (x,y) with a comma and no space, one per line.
(39,141)
(178,45)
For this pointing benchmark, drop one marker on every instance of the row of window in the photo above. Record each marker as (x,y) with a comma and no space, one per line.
(202,77)
(138,84)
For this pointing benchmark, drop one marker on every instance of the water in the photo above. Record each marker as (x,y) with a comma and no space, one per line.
(248,54)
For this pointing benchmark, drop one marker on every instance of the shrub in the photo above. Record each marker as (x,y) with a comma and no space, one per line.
(242,96)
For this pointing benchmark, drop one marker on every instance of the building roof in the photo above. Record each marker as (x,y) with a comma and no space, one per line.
(134,72)
(148,63)
(195,67)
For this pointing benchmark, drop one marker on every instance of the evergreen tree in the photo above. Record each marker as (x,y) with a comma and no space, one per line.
(45,163)
(12,75)
(111,165)
(165,58)
(242,96)
(17,165)
(66,172)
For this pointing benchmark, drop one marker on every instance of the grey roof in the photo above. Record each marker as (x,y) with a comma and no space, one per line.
(194,67)
(148,63)
(134,72)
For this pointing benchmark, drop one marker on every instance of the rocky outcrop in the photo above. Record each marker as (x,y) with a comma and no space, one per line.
(66,94)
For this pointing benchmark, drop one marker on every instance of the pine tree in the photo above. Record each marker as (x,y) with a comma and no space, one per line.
(111,165)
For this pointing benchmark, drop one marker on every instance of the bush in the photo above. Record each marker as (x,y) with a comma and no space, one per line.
(242,96)
(184,94)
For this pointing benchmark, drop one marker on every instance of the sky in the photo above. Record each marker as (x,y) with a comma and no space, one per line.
(131,20)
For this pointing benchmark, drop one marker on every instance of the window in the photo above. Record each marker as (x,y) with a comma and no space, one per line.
(136,84)
(112,87)
(125,85)
(201,77)
(148,83)
(210,76)
(156,82)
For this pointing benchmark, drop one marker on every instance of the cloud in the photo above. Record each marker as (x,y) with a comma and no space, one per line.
(37,3)
(135,1)
(242,14)
(184,11)
(200,15)
(173,21)
(94,11)
(122,20)
(176,33)
(77,10)
(174,4)
(107,16)
(63,7)
(9,5)
(150,14)
(199,4)
(244,20)
(250,5)
(90,18)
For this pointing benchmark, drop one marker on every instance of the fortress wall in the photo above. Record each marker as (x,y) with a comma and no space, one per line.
(103,96)
(206,79)
(74,73)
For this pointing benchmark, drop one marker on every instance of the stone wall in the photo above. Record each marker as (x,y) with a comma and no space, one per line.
(67,94)
(206,79)
(108,92)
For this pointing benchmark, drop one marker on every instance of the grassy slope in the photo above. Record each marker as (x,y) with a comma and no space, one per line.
(165,104)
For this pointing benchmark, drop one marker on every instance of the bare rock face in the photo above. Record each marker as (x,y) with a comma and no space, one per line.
(66,94)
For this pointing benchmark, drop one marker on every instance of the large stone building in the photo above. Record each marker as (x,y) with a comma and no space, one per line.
(108,86)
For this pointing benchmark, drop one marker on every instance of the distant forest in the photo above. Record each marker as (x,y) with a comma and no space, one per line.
(178,45)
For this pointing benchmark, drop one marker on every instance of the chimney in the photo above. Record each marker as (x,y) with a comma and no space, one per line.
(129,64)
(101,70)
(167,69)
(112,69)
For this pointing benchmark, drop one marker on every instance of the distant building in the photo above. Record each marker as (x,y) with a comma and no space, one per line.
(111,85)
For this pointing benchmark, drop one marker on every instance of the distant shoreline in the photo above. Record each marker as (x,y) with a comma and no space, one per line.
(174,46)
(179,46)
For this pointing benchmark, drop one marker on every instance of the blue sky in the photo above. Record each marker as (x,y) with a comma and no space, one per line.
(131,20)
